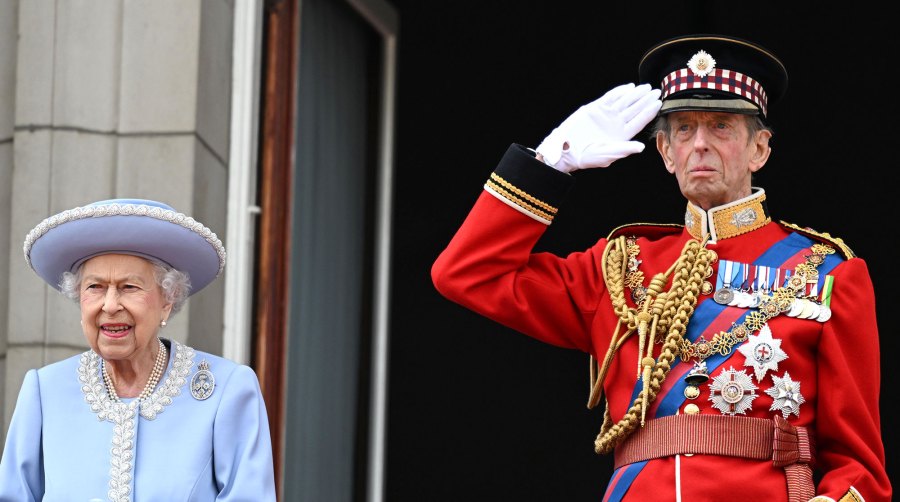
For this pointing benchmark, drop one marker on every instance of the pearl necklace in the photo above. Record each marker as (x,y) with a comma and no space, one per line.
(158,367)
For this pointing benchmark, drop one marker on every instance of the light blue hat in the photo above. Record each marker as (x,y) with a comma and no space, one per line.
(139,227)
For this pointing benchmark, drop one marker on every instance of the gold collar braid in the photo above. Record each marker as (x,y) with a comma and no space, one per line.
(659,311)
(729,220)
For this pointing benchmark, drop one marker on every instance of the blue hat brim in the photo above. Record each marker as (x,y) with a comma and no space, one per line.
(138,227)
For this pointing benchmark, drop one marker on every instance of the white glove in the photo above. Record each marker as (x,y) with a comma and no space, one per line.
(599,133)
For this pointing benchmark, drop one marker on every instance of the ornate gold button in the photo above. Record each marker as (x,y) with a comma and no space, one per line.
(691,409)
(691,392)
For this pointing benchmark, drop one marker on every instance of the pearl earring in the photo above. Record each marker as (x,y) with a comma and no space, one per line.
(163,323)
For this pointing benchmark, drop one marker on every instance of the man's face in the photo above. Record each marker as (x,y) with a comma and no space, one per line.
(713,155)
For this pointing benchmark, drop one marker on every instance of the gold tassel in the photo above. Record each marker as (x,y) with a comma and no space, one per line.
(643,319)
(648,363)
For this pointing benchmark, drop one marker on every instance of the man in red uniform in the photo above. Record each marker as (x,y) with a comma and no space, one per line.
(737,356)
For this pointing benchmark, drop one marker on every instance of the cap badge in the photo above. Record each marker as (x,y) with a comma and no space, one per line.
(701,64)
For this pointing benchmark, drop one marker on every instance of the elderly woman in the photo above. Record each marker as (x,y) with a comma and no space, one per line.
(137,417)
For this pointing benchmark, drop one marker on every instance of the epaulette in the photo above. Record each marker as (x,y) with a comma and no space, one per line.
(822,237)
(650,230)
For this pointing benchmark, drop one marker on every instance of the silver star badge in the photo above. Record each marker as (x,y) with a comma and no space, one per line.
(762,352)
(732,392)
(786,394)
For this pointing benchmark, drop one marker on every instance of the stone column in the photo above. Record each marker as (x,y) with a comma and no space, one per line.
(113,99)
(8,33)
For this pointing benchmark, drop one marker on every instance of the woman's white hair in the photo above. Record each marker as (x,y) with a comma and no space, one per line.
(175,284)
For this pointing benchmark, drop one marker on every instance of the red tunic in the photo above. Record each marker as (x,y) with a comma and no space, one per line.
(489,268)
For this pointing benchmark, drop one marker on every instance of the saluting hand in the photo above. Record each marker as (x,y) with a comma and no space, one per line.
(600,132)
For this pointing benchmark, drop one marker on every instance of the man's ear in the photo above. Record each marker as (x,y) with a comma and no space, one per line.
(662,145)
(761,150)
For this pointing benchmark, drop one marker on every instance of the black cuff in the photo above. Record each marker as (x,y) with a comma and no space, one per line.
(528,183)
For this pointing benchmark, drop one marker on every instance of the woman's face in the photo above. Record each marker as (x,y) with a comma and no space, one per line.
(121,306)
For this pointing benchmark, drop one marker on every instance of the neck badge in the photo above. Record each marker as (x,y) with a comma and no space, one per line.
(697,376)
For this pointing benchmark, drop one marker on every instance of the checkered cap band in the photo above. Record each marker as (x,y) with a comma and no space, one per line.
(729,81)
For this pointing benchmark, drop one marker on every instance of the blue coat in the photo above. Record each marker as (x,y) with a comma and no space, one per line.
(68,441)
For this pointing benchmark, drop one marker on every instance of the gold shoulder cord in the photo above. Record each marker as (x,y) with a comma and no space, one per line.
(658,311)
(835,241)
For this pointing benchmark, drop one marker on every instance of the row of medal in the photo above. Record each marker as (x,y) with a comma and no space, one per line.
(746,286)
(732,391)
